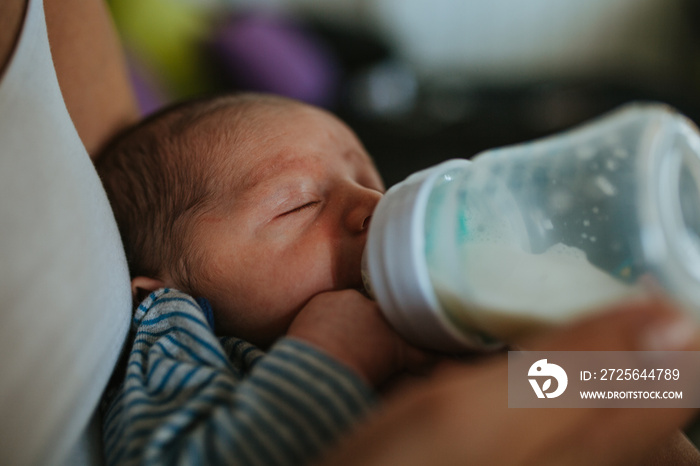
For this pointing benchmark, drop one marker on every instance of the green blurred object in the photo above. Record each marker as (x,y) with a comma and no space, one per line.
(168,35)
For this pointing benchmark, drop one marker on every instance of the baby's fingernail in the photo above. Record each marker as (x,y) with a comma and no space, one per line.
(671,334)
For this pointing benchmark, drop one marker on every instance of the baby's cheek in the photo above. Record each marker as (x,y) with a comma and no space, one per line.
(254,323)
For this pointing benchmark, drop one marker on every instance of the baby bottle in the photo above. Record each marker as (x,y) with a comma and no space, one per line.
(468,254)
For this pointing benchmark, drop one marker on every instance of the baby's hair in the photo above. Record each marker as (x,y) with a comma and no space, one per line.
(158,178)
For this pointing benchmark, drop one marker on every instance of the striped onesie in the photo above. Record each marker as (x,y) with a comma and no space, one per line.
(190,397)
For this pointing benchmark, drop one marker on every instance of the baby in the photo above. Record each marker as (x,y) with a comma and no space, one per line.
(260,205)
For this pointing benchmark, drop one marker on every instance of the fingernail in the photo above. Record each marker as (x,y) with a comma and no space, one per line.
(672,334)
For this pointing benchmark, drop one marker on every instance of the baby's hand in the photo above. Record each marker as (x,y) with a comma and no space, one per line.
(350,328)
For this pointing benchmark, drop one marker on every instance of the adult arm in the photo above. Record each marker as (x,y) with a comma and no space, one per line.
(91,69)
(11,16)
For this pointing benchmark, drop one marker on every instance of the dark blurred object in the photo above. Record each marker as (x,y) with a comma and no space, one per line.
(408,124)
(691,14)
(268,52)
(388,89)
(448,123)
(355,47)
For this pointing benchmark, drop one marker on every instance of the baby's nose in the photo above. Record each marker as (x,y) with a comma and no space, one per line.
(361,209)
(359,219)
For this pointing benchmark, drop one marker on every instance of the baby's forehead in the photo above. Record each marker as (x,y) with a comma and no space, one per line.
(263,139)
(243,125)
(246,130)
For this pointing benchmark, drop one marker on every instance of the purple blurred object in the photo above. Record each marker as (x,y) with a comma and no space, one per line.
(263,51)
(150,96)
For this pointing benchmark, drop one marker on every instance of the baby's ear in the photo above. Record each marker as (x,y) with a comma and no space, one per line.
(143,286)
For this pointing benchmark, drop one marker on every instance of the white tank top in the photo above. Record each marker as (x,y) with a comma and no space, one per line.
(65,299)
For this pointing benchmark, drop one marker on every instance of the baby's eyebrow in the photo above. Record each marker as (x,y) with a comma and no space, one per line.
(353,154)
(271,187)
(280,165)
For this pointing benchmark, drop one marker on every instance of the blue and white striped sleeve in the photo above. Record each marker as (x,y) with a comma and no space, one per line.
(189,398)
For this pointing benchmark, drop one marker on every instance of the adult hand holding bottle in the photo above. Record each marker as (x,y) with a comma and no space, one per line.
(460,415)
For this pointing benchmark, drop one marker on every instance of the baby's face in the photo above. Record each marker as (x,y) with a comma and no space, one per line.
(292,221)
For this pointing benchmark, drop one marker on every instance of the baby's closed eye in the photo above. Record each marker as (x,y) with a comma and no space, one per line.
(300,208)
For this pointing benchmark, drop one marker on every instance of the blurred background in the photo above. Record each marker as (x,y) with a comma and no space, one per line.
(421,81)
